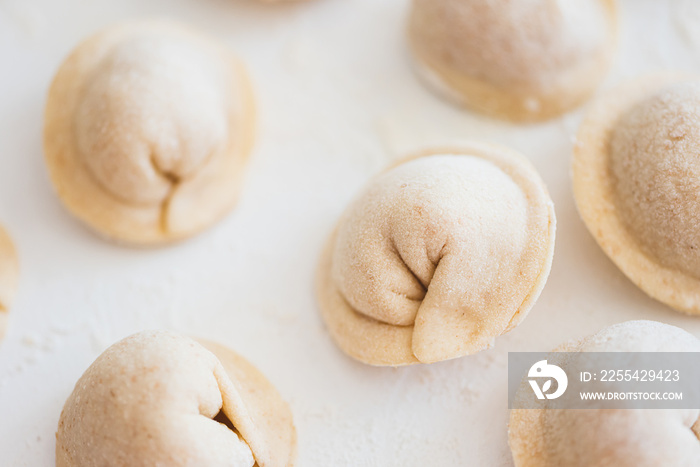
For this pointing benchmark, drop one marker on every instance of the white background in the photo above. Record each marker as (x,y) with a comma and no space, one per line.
(338,102)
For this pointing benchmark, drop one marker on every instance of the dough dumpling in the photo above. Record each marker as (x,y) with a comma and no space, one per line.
(437,257)
(521,60)
(611,438)
(160,399)
(9,275)
(148,130)
(637,185)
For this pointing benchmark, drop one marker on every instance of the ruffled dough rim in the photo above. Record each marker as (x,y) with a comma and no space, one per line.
(511,104)
(266,423)
(595,197)
(139,225)
(381,344)
(9,277)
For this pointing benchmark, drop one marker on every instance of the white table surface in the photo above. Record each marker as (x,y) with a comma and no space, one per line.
(338,102)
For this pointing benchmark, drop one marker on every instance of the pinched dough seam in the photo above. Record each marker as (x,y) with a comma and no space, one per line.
(222,393)
(174,181)
(543,273)
(395,251)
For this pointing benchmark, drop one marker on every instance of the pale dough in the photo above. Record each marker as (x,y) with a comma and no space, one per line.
(437,257)
(9,276)
(152,399)
(148,130)
(612,438)
(636,181)
(521,60)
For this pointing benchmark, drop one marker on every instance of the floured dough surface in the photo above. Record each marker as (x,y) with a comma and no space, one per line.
(9,276)
(157,398)
(636,183)
(656,169)
(437,257)
(612,438)
(148,127)
(515,59)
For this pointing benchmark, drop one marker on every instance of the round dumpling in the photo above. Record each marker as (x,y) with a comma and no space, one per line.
(9,275)
(515,59)
(607,437)
(437,257)
(637,185)
(148,130)
(157,398)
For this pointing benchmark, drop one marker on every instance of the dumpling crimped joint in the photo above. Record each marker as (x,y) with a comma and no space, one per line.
(636,176)
(522,60)
(148,128)
(437,256)
(157,398)
(9,276)
(547,437)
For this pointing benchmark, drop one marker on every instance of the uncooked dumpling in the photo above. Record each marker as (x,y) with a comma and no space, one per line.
(515,59)
(612,438)
(157,398)
(637,185)
(9,274)
(148,130)
(437,257)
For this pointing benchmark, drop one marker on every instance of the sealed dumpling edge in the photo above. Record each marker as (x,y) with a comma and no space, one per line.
(637,186)
(437,256)
(148,128)
(158,398)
